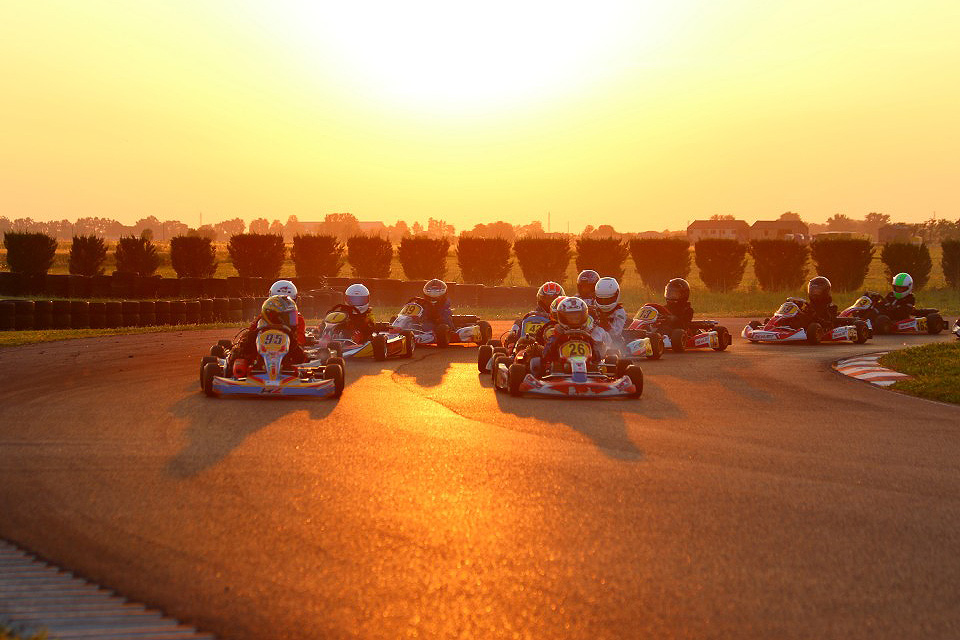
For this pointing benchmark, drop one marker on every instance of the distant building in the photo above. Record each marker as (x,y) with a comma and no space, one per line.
(649,234)
(372,228)
(897,232)
(779,229)
(718,229)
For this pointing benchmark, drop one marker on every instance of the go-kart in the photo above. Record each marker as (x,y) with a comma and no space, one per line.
(529,325)
(703,334)
(779,329)
(334,337)
(465,329)
(956,328)
(871,309)
(269,375)
(573,376)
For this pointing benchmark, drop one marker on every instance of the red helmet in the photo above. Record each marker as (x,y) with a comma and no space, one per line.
(548,292)
(586,282)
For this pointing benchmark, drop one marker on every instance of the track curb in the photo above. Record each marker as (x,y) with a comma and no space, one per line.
(865,368)
(36,596)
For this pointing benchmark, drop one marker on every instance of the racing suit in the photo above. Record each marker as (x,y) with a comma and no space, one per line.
(899,308)
(245,346)
(517,327)
(300,334)
(679,316)
(823,312)
(613,322)
(435,312)
(551,351)
(361,323)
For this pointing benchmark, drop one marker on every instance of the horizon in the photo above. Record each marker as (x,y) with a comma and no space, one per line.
(644,116)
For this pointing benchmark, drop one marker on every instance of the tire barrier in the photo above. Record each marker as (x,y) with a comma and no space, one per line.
(58,286)
(206,310)
(236,309)
(147,288)
(215,288)
(148,313)
(236,287)
(192,310)
(43,314)
(79,314)
(101,287)
(98,315)
(8,314)
(162,309)
(168,288)
(113,317)
(23,315)
(190,287)
(131,313)
(178,312)
(123,284)
(11,284)
(61,314)
(221,310)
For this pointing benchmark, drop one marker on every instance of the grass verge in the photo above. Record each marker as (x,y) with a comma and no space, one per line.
(935,369)
(6,633)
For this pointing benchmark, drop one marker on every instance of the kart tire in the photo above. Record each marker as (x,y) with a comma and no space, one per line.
(486,332)
(484,354)
(635,374)
(203,363)
(409,344)
(935,324)
(725,339)
(497,359)
(210,370)
(337,360)
(495,343)
(379,343)
(516,374)
(678,340)
(754,324)
(334,372)
(863,332)
(656,342)
(335,349)
(882,324)
(226,344)
(622,367)
(217,351)
(813,333)
(611,364)
(441,335)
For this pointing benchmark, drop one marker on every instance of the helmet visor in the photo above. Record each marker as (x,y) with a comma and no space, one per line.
(357,301)
(573,317)
(607,300)
(901,288)
(586,289)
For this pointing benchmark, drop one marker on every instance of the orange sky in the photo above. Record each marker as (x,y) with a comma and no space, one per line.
(640,114)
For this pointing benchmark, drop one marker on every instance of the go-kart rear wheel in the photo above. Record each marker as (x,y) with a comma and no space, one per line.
(203,363)
(813,333)
(409,344)
(336,360)
(656,345)
(441,335)
(334,372)
(486,332)
(622,367)
(515,375)
(379,343)
(226,344)
(635,373)
(217,351)
(495,343)
(725,340)
(935,324)
(210,370)
(678,340)
(484,354)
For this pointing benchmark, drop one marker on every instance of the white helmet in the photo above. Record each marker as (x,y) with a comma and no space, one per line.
(358,297)
(608,294)
(572,313)
(284,288)
(435,289)
(902,285)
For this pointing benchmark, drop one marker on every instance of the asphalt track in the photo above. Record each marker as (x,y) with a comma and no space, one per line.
(749,494)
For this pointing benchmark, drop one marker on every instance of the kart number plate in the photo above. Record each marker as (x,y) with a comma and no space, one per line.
(647,314)
(532,326)
(575,348)
(412,309)
(272,341)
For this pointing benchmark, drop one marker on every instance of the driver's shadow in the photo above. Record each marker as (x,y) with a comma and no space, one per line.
(430,364)
(217,426)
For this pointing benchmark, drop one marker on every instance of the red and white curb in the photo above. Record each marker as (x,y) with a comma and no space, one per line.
(866,368)
(35,596)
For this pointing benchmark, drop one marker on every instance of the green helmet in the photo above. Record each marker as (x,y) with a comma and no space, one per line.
(902,285)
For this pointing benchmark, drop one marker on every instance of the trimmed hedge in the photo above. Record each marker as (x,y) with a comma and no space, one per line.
(317,255)
(603,255)
(905,257)
(193,256)
(543,259)
(87,255)
(844,261)
(950,262)
(721,262)
(659,260)
(29,252)
(257,255)
(483,260)
(779,265)
(369,256)
(136,254)
(423,258)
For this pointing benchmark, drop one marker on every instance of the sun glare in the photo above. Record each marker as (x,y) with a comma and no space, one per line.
(444,55)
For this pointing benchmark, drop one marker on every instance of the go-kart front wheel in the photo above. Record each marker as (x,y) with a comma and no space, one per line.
(678,340)
(210,370)
(515,375)
(336,360)
(334,372)
(863,333)
(409,344)
(635,374)
(484,354)
(441,335)
(725,339)
(656,345)
(203,363)
(486,332)
(813,333)
(379,343)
